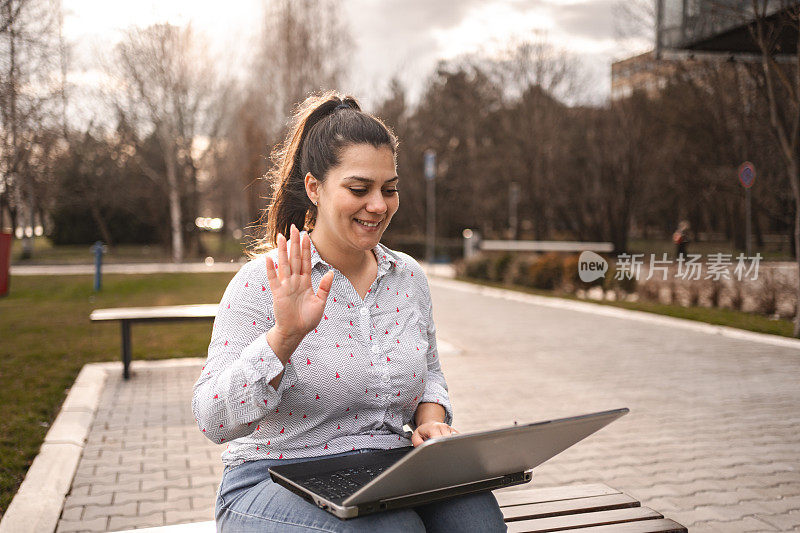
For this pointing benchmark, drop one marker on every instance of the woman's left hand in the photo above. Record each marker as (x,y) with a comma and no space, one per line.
(431,429)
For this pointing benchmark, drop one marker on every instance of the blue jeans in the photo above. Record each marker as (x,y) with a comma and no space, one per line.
(249,501)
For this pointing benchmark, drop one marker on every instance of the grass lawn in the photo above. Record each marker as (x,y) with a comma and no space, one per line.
(717,316)
(46,337)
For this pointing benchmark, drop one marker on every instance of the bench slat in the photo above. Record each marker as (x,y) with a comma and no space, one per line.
(156,313)
(662,525)
(572,521)
(564,507)
(551,494)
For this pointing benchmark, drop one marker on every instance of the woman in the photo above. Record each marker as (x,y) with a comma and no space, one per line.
(325,345)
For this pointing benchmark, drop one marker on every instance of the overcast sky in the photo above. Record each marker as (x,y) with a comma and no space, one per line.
(392,37)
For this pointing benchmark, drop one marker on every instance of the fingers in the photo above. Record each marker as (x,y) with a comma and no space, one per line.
(325,286)
(283,259)
(294,252)
(305,246)
(431,430)
(272,277)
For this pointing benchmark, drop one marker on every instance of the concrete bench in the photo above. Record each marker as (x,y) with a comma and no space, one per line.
(593,508)
(163,313)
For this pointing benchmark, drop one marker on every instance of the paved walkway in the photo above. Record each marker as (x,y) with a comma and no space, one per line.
(711,440)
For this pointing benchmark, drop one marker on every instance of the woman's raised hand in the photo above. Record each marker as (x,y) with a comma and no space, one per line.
(297,309)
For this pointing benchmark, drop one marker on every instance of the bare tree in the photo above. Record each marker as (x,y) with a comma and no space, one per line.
(29,87)
(167,89)
(303,47)
(780,85)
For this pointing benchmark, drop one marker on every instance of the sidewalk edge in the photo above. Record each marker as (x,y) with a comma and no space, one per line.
(37,505)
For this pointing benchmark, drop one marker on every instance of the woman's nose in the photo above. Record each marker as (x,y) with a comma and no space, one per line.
(376,203)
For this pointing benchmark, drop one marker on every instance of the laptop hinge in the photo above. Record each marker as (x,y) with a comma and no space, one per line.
(455,490)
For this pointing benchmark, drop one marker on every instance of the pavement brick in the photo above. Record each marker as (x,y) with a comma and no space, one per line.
(207,491)
(106,488)
(138,496)
(783,522)
(141,477)
(175,483)
(178,517)
(204,504)
(125,509)
(199,480)
(90,479)
(71,526)
(179,504)
(78,491)
(117,523)
(81,501)
(72,514)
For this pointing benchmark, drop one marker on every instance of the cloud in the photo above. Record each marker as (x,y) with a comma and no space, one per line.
(591,19)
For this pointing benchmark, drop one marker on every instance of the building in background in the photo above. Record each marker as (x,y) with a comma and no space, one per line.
(721,26)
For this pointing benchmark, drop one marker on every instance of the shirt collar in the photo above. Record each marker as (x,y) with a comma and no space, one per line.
(386,258)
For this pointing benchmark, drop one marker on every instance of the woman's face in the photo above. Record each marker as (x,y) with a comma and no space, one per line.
(362,188)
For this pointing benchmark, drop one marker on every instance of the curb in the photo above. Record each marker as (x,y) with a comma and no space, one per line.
(37,505)
(616,312)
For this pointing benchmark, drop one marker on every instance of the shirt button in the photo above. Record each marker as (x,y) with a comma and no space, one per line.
(364,311)
(375,348)
(385,378)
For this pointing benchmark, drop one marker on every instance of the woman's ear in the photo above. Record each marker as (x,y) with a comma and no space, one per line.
(312,188)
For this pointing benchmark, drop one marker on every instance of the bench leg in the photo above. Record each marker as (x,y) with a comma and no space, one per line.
(126,348)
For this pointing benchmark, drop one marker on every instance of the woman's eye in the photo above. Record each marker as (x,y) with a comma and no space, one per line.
(364,191)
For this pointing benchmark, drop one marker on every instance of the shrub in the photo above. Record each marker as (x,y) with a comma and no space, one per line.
(518,271)
(649,290)
(498,266)
(477,267)
(547,272)
(768,294)
(625,285)
(737,295)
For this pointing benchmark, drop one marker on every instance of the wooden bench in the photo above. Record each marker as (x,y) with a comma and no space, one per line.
(593,508)
(585,508)
(163,313)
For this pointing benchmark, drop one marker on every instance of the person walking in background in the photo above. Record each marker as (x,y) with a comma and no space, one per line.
(324,345)
(681,238)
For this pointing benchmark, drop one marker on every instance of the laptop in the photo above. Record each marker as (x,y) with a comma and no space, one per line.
(441,467)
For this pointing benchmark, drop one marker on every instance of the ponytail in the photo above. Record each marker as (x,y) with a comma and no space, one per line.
(321,126)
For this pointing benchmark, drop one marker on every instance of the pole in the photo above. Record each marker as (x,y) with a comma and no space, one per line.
(431,230)
(748,222)
(97,248)
(513,202)
(430,175)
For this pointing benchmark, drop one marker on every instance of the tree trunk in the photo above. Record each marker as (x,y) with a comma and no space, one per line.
(174,200)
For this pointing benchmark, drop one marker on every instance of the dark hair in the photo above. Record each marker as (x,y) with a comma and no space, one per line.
(322,125)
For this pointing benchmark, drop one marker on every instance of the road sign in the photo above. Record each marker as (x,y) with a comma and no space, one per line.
(430,164)
(747,174)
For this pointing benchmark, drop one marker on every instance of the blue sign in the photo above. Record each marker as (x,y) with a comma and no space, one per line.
(430,164)
(747,174)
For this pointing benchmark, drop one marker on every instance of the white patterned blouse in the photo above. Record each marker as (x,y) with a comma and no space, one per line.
(352,383)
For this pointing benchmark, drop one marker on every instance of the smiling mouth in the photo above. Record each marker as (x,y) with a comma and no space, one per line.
(368,224)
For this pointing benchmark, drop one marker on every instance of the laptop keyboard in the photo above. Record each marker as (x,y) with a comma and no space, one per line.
(344,482)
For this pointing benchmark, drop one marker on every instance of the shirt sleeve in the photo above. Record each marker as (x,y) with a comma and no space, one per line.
(233,391)
(435,385)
